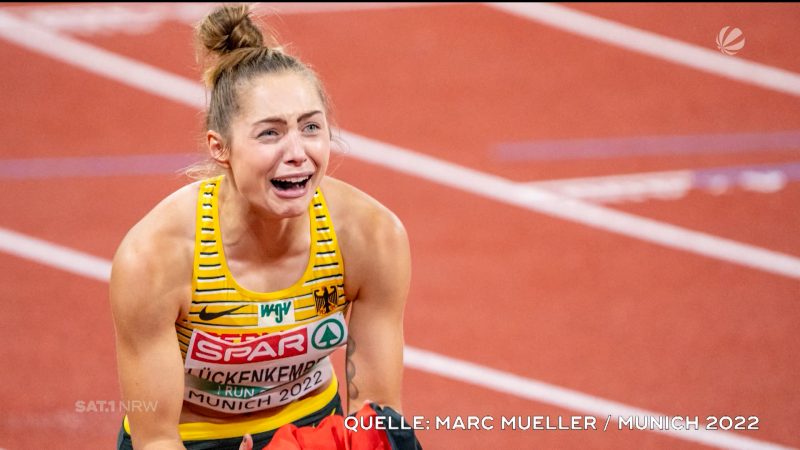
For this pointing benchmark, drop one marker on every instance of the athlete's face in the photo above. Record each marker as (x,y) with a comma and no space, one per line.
(280,143)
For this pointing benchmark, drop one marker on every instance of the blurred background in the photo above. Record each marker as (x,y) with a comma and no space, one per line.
(602,203)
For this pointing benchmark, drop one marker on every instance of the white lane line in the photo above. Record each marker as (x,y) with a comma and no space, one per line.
(540,200)
(655,45)
(535,390)
(101,62)
(765,178)
(105,18)
(618,188)
(80,263)
(162,83)
(54,255)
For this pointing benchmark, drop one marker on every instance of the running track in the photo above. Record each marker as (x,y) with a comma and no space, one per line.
(673,299)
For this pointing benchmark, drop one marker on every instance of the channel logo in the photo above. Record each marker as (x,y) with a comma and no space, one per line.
(728,41)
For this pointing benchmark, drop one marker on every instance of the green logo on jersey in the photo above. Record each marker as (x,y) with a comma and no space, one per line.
(329,333)
(280,309)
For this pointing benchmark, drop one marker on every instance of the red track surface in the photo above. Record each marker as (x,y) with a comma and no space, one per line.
(607,315)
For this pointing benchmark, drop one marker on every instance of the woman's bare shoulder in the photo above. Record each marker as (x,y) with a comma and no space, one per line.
(372,238)
(154,259)
(353,211)
(170,221)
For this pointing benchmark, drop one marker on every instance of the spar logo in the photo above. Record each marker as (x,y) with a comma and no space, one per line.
(328,334)
(209,349)
(275,313)
(728,41)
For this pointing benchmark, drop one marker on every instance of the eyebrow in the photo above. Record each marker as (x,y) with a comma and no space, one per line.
(282,120)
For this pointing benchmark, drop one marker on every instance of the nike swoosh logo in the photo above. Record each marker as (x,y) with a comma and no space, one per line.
(211,316)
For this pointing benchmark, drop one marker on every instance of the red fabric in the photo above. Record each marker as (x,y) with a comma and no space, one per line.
(331,434)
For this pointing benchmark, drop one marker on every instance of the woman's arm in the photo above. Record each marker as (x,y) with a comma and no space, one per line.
(148,281)
(381,266)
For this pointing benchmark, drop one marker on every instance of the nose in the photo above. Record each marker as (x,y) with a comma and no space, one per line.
(295,153)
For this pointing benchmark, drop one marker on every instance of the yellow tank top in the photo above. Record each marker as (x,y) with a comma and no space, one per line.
(248,351)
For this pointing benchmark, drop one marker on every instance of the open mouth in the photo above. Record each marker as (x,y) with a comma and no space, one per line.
(290,183)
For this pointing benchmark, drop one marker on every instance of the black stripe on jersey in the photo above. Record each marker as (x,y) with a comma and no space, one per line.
(311,281)
(327,265)
(208,217)
(185,328)
(184,334)
(323,229)
(207,229)
(213,290)
(216,325)
(209,253)
(214,301)
(317,204)
(296,297)
(325,241)
(229,314)
(206,241)
(321,217)
(221,277)
(325,253)
(207,204)
(210,265)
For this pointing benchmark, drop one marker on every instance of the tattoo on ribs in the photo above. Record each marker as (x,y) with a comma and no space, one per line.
(350,370)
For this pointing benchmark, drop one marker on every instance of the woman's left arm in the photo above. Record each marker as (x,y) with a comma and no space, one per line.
(381,266)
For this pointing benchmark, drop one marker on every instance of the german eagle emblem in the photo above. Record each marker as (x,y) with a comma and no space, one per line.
(326,299)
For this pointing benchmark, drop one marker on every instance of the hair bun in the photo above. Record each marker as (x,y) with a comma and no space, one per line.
(227,28)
